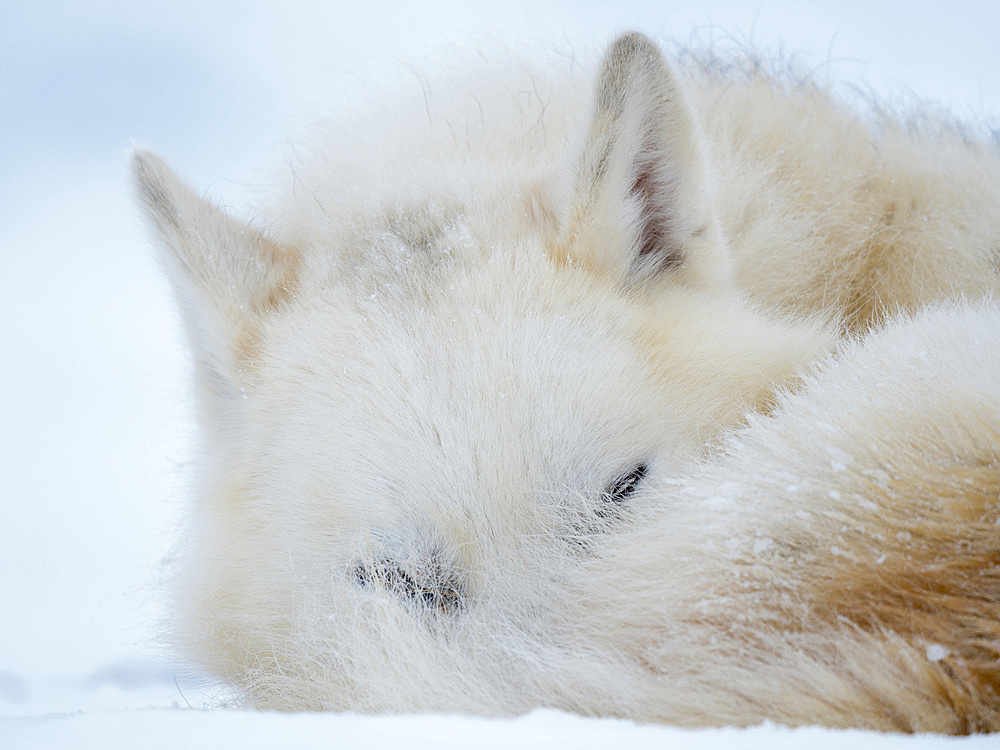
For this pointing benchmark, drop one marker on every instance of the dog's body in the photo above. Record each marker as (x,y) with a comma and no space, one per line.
(502,418)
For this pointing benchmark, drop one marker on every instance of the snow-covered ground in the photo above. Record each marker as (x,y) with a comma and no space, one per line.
(95,422)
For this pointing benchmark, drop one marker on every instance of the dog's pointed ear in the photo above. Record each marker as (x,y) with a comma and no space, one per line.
(640,204)
(226,274)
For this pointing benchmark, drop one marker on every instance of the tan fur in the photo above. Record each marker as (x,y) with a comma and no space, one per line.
(861,219)
(843,552)
(535,396)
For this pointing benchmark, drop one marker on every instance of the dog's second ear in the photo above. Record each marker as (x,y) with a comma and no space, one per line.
(226,274)
(641,206)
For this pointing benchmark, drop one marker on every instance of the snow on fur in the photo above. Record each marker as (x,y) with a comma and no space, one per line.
(535,397)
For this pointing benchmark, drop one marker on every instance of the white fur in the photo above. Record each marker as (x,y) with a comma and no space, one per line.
(423,396)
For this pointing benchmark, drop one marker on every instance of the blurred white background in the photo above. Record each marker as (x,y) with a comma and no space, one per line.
(95,421)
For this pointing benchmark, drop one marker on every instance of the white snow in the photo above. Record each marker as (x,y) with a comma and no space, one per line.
(96,423)
(936,652)
(543,729)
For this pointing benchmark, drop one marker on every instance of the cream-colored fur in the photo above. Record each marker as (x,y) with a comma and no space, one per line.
(535,397)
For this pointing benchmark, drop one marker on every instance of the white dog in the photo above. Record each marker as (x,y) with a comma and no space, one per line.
(641,397)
